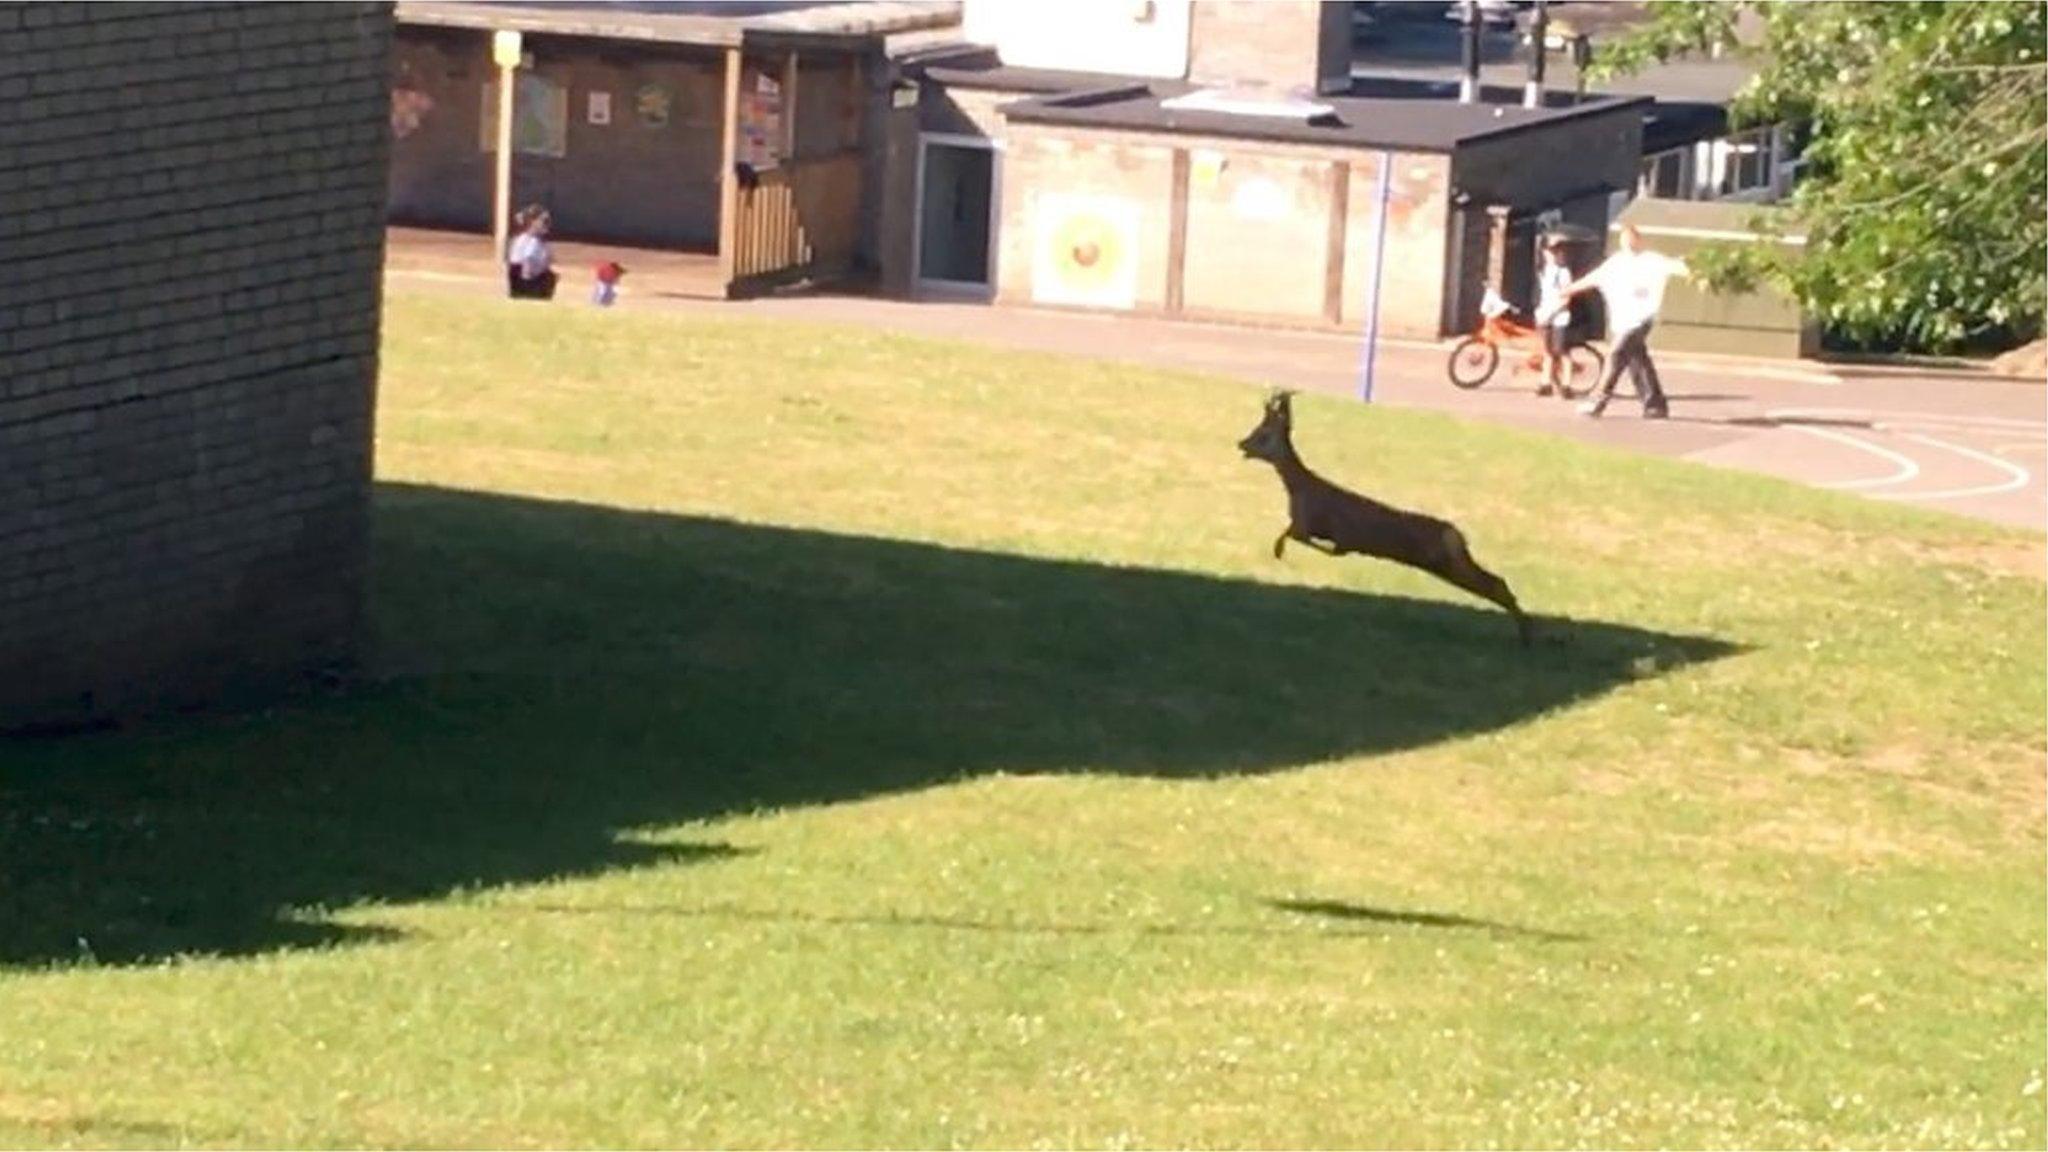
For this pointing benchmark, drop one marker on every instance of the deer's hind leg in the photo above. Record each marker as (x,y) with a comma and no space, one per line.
(1459,568)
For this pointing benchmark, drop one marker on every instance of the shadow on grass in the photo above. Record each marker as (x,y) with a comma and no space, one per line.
(547,676)
(1326,909)
(1338,910)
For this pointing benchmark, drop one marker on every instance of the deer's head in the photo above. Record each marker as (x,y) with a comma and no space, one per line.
(1271,440)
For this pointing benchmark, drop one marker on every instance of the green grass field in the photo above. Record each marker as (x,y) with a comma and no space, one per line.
(807,737)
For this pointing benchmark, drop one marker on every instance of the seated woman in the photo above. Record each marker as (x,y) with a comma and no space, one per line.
(528,271)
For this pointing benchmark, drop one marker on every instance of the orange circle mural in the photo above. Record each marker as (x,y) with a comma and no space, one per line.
(1089,251)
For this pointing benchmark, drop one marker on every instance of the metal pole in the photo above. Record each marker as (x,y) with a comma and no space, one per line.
(1372,286)
(1468,85)
(1539,34)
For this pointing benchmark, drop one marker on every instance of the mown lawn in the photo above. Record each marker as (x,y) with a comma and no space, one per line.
(806,737)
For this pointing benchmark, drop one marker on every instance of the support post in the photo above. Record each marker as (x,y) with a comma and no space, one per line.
(728,180)
(1497,247)
(856,106)
(789,108)
(1177,236)
(1334,241)
(505,49)
(1372,286)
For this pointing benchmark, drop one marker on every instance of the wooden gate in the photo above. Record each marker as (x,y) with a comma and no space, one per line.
(798,221)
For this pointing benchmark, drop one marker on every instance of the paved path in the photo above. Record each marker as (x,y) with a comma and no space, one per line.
(1965,442)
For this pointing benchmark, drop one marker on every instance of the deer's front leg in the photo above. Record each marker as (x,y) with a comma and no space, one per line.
(1301,535)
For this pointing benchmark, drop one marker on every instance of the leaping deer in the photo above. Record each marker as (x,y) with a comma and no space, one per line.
(1319,511)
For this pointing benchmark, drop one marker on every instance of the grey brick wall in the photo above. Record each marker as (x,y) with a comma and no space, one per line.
(191,236)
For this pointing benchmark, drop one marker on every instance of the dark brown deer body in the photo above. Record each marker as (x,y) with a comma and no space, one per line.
(1338,522)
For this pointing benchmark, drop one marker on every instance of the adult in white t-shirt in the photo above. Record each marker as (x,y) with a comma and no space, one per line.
(1632,283)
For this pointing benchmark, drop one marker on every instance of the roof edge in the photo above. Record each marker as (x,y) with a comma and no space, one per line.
(845,24)
(1073,109)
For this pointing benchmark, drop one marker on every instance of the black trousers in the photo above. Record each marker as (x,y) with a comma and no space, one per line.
(541,287)
(1631,354)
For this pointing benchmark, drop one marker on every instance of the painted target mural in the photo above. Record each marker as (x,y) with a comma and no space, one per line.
(1086,251)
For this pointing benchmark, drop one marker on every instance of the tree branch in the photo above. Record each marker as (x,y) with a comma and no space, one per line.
(2037,136)
(1981,69)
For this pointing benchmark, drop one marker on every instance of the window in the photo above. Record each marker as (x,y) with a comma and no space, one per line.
(1663,176)
(540,117)
(1744,164)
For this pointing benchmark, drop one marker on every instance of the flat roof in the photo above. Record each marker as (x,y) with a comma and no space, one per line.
(975,66)
(1411,124)
(716,23)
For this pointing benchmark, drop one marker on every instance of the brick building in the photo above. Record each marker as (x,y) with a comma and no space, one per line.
(1215,158)
(1208,158)
(738,130)
(191,212)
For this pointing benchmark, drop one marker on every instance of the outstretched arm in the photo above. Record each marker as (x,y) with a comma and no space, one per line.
(1589,280)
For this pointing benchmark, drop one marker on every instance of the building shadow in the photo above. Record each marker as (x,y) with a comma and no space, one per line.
(547,678)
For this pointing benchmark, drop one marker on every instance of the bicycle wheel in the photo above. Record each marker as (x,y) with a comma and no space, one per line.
(1472,362)
(1583,365)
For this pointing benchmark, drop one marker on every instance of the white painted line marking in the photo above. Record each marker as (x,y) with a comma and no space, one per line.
(2016,476)
(1905,467)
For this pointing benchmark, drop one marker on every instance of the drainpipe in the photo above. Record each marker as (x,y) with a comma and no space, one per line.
(1539,30)
(1468,88)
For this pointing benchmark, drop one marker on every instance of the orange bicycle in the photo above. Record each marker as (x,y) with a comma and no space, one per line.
(1475,358)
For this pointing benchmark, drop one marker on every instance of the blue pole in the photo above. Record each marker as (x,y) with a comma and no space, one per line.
(1372,294)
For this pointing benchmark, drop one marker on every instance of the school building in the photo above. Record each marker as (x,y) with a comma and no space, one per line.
(1199,158)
